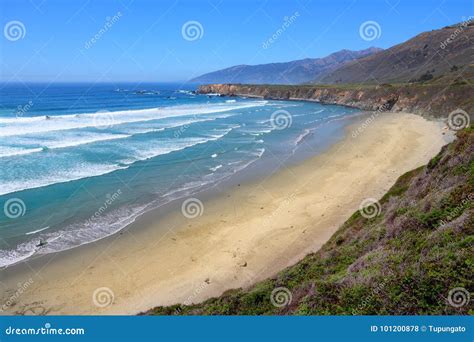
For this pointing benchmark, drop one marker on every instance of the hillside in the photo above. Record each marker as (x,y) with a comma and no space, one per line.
(444,53)
(293,72)
(405,260)
(424,98)
(441,56)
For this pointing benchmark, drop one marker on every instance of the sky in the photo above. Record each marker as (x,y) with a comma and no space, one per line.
(176,40)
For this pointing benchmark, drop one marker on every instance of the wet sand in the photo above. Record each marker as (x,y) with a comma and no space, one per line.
(239,236)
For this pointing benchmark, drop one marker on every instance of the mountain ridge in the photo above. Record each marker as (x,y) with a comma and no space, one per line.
(292,72)
(445,54)
(418,251)
(429,55)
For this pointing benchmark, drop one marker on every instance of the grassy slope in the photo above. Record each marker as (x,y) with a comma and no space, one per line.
(403,261)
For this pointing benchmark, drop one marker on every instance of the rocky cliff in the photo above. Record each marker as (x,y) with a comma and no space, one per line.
(424,99)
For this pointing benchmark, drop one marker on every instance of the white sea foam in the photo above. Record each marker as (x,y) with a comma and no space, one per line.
(138,152)
(81,233)
(303,135)
(80,170)
(259,152)
(7,151)
(259,132)
(124,152)
(86,140)
(37,231)
(153,148)
(68,139)
(29,125)
(187,92)
(21,252)
(214,169)
(59,141)
(73,235)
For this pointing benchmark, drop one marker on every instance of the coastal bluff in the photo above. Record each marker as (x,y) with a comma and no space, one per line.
(428,100)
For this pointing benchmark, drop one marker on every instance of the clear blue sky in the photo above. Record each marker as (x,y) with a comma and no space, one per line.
(146,42)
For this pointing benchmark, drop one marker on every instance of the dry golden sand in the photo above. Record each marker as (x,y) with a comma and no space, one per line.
(244,235)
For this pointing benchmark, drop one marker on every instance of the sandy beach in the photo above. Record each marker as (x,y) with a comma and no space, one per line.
(243,235)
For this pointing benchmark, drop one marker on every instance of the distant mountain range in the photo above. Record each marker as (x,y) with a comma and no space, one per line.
(294,72)
(435,55)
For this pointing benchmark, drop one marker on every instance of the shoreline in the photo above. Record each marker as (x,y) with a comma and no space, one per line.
(424,100)
(257,168)
(242,237)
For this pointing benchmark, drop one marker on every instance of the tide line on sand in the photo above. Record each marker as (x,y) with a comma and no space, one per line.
(243,235)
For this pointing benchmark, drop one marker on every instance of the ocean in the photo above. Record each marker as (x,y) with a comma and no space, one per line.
(79,162)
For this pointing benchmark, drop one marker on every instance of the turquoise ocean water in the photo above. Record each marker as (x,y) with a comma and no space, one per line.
(79,162)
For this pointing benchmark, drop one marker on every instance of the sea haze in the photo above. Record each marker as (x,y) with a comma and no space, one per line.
(87,160)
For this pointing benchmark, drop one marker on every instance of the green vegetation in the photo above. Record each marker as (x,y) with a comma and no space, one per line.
(438,96)
(404,261)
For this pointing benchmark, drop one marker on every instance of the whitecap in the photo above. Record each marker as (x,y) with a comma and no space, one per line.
(214,169)
(28,125)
